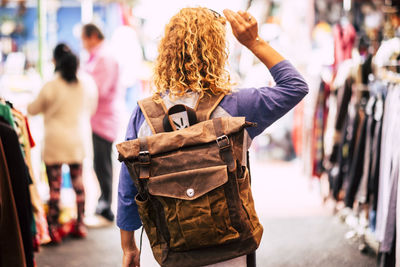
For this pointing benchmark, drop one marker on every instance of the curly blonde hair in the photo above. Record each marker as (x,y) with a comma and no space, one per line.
(192,55)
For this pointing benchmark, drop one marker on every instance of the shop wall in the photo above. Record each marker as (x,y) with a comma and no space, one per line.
(68,22)
(28,20)
(67,19)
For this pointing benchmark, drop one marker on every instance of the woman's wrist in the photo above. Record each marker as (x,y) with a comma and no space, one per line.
(267,55)
(130,251)
(253,44)
(128,243)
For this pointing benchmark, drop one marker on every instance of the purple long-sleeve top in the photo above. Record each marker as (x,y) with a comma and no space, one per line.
(262,105)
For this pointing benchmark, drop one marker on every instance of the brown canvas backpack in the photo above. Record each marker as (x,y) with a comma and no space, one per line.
(194,197)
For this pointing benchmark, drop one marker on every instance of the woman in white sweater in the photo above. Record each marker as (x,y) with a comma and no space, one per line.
(67,103)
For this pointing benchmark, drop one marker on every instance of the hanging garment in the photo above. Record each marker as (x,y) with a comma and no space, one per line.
(373,181)
(330,131)
(19,180)
(343,100)
(24,134)
(354,176)
(366,69)
(362,194)
(26,142)
(368,190)
(389,149)
(20,129)
(344,97)
(11,247)
(346,149)
(388,243)
(388,180)
(5,113)
(388,246)
(320,118)
(398,221)
(386,259)
(344,37)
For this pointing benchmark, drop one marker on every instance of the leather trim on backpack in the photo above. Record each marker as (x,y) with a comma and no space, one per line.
(153,113)
(202,132)
(206,106)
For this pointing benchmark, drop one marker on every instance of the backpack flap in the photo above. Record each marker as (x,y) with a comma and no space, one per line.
(190,184)
(200,133)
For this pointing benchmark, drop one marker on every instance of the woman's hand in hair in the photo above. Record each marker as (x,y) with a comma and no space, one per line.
(244,27)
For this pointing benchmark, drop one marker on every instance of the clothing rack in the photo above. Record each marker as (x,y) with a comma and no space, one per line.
(25,225)
(358,123)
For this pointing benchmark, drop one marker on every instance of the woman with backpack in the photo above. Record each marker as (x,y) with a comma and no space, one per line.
(66,102)
(191,67)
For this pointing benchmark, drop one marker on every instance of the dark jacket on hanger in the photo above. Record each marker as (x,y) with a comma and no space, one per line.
(11,247)
(19,177)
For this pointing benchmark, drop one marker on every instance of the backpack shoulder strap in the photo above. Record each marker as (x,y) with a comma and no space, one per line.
(153,113)
(206,105)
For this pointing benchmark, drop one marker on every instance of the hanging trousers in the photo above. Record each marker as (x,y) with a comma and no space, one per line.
(54,174)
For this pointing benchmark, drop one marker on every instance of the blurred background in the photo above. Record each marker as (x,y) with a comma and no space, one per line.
(324,176)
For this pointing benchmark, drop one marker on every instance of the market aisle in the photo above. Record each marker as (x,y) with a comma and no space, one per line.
(298,230)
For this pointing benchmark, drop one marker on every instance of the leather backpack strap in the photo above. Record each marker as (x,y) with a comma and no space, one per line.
(154,113)
(224,144)
(206,105)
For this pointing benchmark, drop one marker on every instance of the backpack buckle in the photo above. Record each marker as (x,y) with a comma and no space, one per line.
(223,142)
(144,157)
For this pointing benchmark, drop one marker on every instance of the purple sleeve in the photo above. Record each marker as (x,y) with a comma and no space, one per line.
(265,105)
(127,215)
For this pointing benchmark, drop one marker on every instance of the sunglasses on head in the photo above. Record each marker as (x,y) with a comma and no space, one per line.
(216,14)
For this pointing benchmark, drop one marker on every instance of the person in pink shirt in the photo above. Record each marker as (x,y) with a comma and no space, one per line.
(104,70)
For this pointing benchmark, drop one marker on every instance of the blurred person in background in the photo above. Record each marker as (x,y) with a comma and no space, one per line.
(67,103)
(105,72)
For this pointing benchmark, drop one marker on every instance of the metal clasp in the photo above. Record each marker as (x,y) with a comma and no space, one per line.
(223,142)
(144,157)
